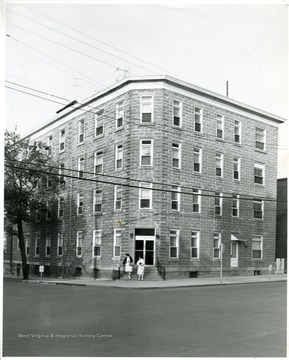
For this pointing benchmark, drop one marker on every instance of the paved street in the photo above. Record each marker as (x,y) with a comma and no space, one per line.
(247,320)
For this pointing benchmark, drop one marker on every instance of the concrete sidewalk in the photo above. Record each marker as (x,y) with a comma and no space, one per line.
(145,284)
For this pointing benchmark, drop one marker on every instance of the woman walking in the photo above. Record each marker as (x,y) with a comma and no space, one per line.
(127,262)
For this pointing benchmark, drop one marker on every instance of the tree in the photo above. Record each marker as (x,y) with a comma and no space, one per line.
(29,183)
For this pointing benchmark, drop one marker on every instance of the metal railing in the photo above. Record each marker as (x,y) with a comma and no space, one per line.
(161,269)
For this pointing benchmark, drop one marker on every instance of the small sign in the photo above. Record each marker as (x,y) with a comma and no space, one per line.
(270,267)
(41,268)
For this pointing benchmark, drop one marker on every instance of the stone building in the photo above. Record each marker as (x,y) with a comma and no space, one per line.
(164,169)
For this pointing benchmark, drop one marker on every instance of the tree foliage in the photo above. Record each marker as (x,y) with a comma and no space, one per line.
(29,183)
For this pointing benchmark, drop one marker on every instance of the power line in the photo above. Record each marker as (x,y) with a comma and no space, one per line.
(137,120)
(49,57)
(69,48)
(83,42)
(24,169)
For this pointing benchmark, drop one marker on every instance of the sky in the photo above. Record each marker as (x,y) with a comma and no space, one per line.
(56,53)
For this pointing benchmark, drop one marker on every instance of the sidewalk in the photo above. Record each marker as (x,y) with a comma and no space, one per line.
(176,283)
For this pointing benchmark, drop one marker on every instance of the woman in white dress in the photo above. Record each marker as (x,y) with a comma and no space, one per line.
(140,268)
(127,262)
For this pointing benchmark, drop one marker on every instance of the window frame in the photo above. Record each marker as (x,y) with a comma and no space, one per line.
(98,161)
(197,153)
(80,166)
(96,198)
(198,114)
(176,149)
(260,138)
(37,244)
(119,156)
(60,241)
(257,239)
(99,118)
(48,211)
(237,164)
(142,185)
(119,114)
(142,105)
(197,247)
(175,191)
(79,243)
(218,238)
(235,205)
(237,131)
(218,204)
(142,148)
(257,204)
(117,235)
(27,242)
(94,243)
(196,195)
(49,145)
(47,244)
(80,134)
(80,204)
(178,107)
(220,159)
(117,190)
(176,235)
(259,167)
(62,138)
(61,202)
(220,130)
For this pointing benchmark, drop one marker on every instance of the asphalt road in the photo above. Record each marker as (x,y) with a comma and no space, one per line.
(215,321)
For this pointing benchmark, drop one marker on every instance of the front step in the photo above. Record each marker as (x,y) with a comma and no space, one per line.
(150,273)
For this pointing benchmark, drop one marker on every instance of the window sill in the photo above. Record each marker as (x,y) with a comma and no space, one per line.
(79,144)
(259,185)
(173,259)
(147,124)
(146,167)
(237,144)
(194,259)
(98,137)
(260,151)
(197,173)
(61,151)
(220,140)
(116,258)
(97,213)
(118,170)
(177,127)
(119,129)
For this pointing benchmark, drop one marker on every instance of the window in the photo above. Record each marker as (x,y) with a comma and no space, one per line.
(38,216)
(220,126)
(197,160)
(216,245)
(98,121)
(174,244)
(81,131)
(175,198)
(97,200)
(177,113)
(119,115)
(61,174)
(49,182)
(49,146)
(62,140)
(219,164)
(195,240)
(60,244)
(236,166)
(37,242)
(258,208)
(27,243)
(235,205)
(48,245)
(218,203)
(260,138)
(196,200)
(80,166)
(237,132)
(257,247)
(60,206)
(117,197)
(259,170)
(146,152)
(118,156)
(48,211)
(117,243)
(146,109)
(96,243)
(198,119)
(79,204)
(176,161)
(79,243)
(145,195)
(98,162)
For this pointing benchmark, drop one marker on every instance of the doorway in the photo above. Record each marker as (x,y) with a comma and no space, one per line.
(145,248)
(234,254)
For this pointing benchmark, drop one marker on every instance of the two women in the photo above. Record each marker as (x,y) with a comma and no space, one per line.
(128,262)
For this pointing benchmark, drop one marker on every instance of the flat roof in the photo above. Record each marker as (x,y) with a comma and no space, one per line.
(184,85)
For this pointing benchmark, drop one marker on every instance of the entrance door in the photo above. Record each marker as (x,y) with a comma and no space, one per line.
(234,254)
(144,247)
